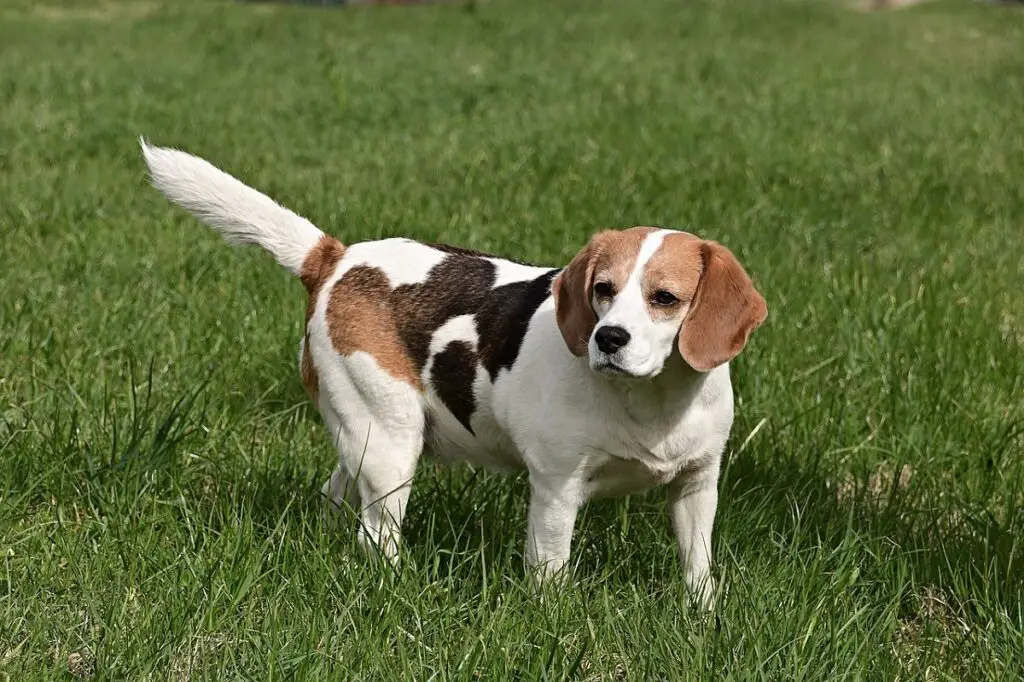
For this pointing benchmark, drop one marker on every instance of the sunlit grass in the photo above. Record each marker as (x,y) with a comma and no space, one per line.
(159,464)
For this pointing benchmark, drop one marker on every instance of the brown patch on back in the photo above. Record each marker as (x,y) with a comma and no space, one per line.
(360,317)
(675,267)
(609,257)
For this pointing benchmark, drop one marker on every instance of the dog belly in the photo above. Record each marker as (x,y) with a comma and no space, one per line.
(614,477)
(449,441)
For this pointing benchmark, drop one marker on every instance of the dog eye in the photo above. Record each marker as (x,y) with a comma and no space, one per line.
(663,298)
(604,290)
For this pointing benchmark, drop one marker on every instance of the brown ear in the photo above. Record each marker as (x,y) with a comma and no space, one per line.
(573,309)
(726,308)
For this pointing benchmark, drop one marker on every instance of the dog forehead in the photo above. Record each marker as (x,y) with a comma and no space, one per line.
(617,251)
(676,264)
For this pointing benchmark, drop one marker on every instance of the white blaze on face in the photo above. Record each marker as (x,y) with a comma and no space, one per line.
(651,341)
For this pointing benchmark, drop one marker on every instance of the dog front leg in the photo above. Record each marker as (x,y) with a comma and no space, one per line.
(549,527)
(692,504)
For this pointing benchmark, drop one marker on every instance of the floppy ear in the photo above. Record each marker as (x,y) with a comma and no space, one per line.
(573,309)
(726,308)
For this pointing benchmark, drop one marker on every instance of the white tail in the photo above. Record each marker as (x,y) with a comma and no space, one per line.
(241,214)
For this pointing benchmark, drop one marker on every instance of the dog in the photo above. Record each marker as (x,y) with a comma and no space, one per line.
(609,376)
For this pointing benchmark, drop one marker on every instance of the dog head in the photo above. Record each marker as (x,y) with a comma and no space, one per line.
(631,296)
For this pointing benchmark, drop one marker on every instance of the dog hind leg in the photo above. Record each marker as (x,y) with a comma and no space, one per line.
(377,423)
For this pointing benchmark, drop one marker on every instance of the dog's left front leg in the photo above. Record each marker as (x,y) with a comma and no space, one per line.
(692,503)
(552,517)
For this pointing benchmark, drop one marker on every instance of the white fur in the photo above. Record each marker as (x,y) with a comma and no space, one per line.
(241,214)
(577,432)
(459,328)
(402,260)
(509,271)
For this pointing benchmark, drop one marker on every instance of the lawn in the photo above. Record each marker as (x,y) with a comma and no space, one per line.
(160,464)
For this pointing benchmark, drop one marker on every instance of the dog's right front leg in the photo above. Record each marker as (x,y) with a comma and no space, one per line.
(549,527)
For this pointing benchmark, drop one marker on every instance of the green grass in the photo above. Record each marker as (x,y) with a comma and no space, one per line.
(159,463)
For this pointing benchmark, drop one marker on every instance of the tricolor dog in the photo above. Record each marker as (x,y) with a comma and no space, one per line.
(606,377)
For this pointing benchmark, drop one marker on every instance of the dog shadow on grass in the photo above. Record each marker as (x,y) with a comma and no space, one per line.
(455,514)
(460,523)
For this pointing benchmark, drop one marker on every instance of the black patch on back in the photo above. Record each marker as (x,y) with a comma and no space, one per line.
(452,374)
(504,317)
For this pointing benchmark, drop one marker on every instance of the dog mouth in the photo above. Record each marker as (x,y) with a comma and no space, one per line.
(609,368)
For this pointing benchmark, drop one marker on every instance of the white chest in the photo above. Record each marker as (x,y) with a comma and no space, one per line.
(617,438)
(560,423)
(652,457)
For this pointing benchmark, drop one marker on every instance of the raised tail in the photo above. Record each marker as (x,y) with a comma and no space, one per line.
(239,213)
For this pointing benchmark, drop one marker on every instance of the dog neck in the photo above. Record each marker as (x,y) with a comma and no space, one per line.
(666,396)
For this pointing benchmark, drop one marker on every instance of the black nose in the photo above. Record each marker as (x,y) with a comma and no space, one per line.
(610,339)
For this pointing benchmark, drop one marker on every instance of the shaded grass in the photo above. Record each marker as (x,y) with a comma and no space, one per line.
(158,462)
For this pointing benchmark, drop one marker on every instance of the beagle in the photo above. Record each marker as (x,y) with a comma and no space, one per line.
(606,377)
